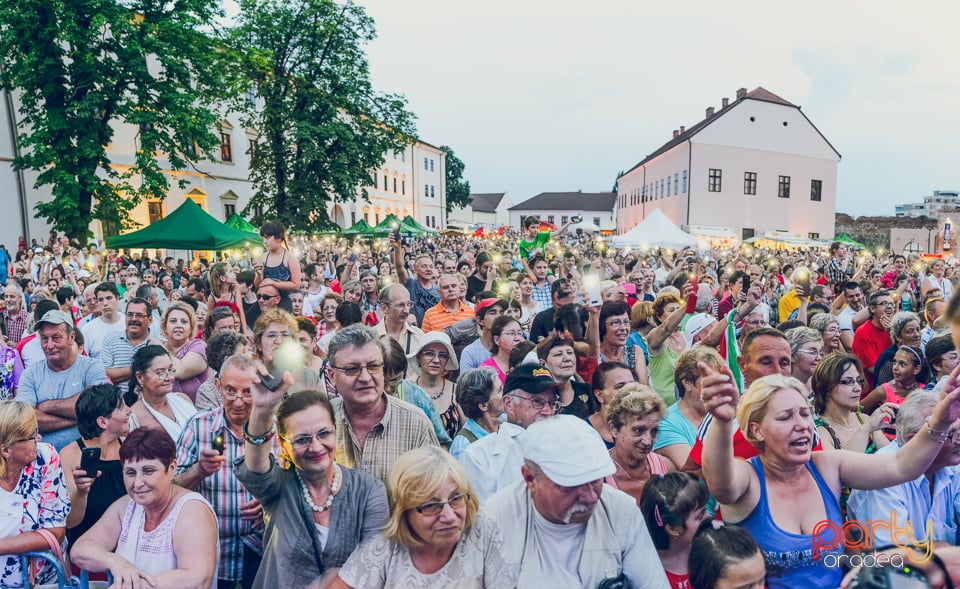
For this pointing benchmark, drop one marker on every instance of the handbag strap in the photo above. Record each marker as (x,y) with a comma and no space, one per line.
(55,547)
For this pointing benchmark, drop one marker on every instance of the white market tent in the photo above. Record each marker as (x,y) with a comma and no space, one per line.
(585,226)
(654,231)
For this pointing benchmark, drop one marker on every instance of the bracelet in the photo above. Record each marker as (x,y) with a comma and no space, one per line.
(259,440)
(937,436)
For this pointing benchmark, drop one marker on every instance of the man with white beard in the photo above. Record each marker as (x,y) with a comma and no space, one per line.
(562,526)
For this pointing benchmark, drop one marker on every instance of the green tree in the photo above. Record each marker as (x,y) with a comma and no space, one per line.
(323,129)
(458,189)
(80,67)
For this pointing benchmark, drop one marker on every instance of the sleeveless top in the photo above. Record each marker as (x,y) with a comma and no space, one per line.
(661,373)
(280,273)
(629,357)
(105,490)
(152,552)
(658,466)
(789,557)
(835,439)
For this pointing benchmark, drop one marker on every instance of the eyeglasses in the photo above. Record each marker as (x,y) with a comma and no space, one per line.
(394,383)
(32,438)
(435,508)
(303,442)
(375,368)
(849,382)
(407,306)
(511,333)
(275,335)
(885,304)
(233,396)
(618,323)
(431,354)
(266,297)
(539,404)
(954,436)
(812,351)
(164,374)
(136,315)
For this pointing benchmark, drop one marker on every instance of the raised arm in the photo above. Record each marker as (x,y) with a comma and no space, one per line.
(260,424)
(727,478)
(402,275)
(659,334)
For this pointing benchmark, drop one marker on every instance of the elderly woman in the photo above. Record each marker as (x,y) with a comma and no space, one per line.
(160,534)
(904,331)
(436,535)
(557,353)
(789,483)
(480,395)
(316,511)
(102,419)
(936,280)
(927,500)
(219,347)
(806,349)
(151,396)
(272,328)
(431,360)
(678,429)
(188,354)
(33,514)
(829,328)
(634,416)
(395,383)
(614,326)
(328,313)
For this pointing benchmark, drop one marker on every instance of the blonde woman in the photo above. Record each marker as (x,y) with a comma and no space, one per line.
(189,353)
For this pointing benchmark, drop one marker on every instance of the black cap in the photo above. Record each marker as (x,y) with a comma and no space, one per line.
(531,378)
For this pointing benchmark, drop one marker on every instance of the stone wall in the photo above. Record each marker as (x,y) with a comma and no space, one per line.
(875,231)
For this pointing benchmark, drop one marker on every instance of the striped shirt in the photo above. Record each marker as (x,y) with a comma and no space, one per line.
(118,351)
(542,295)
(402,428)
(438,317)
(222,489)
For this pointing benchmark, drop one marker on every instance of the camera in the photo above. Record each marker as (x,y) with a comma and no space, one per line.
(890,577)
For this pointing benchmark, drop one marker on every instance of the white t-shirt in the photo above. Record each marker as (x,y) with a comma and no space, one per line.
(95,332)
(311,301)
(557,550)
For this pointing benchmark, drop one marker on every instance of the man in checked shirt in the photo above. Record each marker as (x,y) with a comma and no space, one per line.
(202,467)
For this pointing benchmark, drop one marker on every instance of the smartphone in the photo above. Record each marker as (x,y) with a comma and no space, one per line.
(396,234)
(218,443)
(746,284)
(271,381)
(890,577)
(90,461)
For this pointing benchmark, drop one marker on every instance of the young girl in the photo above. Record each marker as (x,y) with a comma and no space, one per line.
(674,505)
(907,368)
(725,557)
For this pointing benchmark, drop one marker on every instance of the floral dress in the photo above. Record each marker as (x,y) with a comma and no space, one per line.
(42,497)
(10,369)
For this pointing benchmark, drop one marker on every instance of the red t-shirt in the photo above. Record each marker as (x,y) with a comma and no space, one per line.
(869,341)
(678,581)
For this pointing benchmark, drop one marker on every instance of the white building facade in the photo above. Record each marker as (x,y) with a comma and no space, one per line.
(940,201)
(488,209)
(222,187)
(756,165)
(560,207)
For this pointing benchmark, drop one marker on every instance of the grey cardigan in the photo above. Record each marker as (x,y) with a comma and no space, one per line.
(359,511)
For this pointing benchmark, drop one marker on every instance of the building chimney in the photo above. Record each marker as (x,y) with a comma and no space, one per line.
(676,133)
(709,111)
(741,93)
(725,102)
(682,129)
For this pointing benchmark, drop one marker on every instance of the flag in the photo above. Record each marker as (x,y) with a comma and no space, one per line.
(730,351)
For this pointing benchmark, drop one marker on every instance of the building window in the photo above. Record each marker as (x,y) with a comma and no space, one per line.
(251,146)
(684,181)
(258,212)
(229,210)
(431,164)
(353,217)
(749,182)
(668,186)
(596,221)
(816,190)
(426,164)
(426,190)
(403,156)
(377,217)
(155,210)
(783,190)
(433,190)
(564,219)
(714,183)
(394,185)
(676,183)
(226,153)
(403,187)
(550,218)
(813,235)
(384,182)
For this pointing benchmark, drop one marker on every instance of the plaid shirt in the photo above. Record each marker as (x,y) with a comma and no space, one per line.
(403,427)
(15,325)
(835,272)
(542,295)
(222,489)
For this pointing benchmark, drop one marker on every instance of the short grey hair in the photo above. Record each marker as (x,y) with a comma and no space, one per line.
(386,293)
(474,387)
(535,469)
(354,336)
(899,321)
(822,321)
(239,361)
(801,336)
(13,284)
(913,412)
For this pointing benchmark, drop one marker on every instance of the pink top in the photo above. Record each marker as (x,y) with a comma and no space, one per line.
(658,465)
(493,363)
(190,385)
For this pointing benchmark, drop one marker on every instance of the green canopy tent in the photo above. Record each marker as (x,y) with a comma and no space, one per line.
(847,240)
(238,222)
(392,223)
(413,224)
(361,227)
(187,228)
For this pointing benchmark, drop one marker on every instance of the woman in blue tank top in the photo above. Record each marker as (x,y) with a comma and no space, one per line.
(276,268)
(787,496)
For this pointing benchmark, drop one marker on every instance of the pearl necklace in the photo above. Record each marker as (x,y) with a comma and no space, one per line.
(334,485)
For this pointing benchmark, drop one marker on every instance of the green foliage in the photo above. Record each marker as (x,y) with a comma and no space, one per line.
(323,129)
(80,67)
(458,189)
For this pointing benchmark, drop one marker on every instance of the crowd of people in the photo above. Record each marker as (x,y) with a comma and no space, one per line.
(527,409)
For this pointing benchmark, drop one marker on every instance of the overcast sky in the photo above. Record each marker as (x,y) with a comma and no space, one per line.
(540,96)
